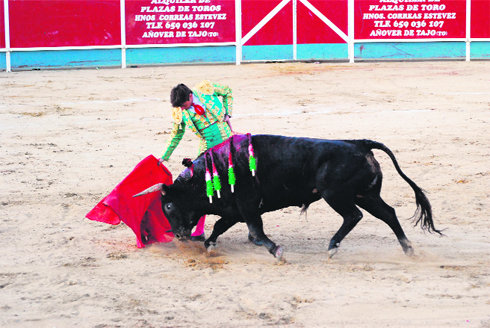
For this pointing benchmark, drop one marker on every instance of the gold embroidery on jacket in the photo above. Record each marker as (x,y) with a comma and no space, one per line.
(205,87)
(177,115)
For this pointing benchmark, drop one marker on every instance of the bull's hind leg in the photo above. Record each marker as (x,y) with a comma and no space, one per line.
(374,204)
(351,215)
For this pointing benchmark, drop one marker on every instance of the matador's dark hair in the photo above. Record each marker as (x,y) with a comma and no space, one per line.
(187,162)
(179,95)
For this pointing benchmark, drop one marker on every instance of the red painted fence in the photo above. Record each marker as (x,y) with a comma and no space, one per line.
(56,23)
(51,24)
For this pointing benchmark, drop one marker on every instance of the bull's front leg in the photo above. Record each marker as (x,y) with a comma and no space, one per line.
(219,228)
(256,229)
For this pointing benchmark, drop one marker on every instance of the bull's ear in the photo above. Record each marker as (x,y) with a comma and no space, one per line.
(164,190)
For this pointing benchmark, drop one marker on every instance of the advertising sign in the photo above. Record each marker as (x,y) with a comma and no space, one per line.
(55,23)
(410,19)
(179,21)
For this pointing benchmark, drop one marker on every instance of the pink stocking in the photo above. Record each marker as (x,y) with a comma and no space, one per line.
(200,226)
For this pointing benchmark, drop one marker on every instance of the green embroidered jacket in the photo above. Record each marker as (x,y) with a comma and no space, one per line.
(211,129)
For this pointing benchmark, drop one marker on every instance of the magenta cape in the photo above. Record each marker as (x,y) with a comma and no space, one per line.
(142,214)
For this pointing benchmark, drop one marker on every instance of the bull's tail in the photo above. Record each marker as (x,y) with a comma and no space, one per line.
(423,214)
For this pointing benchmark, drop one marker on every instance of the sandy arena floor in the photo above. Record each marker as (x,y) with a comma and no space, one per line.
(68,137)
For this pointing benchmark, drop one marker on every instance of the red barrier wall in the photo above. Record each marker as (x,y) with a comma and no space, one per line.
(54,23)
(202,21)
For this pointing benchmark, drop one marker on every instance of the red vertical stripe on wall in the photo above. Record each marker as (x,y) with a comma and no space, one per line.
(480,18)
(2,25)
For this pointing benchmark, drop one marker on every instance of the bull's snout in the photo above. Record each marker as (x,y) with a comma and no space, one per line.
(182,233)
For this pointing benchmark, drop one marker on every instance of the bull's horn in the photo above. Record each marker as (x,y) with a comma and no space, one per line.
(157,187)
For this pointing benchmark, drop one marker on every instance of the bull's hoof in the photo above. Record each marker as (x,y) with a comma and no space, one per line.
(409,251)
(332,252)
(407,247)
(278,252)
(200,237)
(210,247)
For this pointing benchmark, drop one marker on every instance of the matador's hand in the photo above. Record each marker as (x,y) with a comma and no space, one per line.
(227,120)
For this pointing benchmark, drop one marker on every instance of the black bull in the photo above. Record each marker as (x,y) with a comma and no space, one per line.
(290,172)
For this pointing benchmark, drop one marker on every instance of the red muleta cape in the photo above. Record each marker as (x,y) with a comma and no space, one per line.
(142,214)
